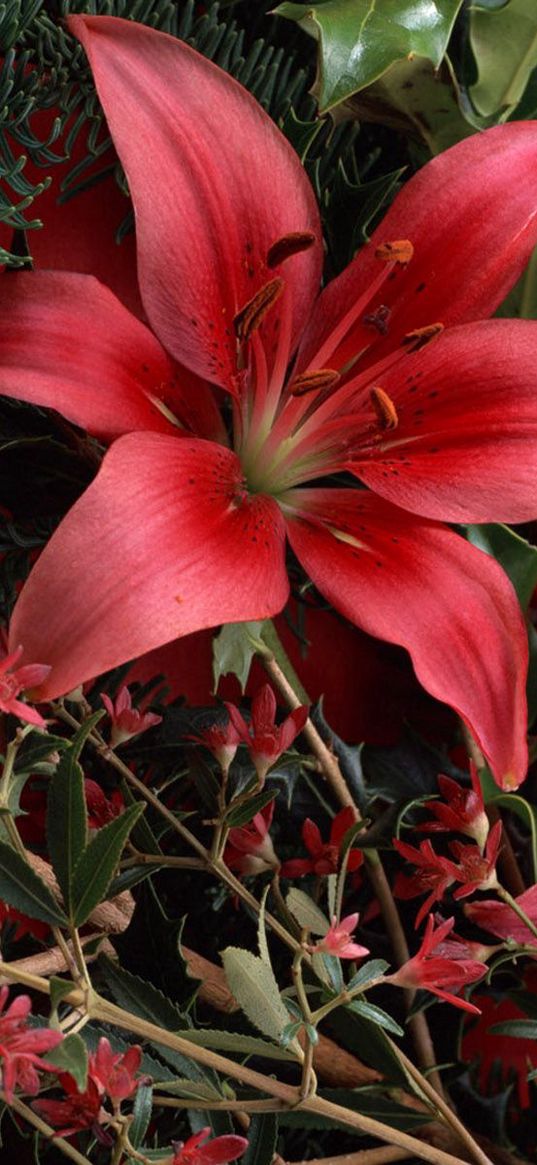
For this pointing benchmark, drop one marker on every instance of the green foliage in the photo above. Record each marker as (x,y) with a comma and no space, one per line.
(254,986)
(66,821)
(360,39)
(262,1139)
(307,914)
(22,888)
(96,866)
(71,1056)
(504,44)
(233,651)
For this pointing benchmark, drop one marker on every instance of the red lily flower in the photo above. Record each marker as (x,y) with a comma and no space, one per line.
(249,847)
(462,810)
(126,720)
(433,970)
(266,740)
(192,530)
(21,1047)
(475,870)
(338,940)
(217,1151)
(501,920)
(432,877)
(324,856)
(101,809)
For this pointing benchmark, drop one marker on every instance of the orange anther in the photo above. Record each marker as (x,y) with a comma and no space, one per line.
(252,314)
(385,409)
(399,251)
(311,381)
(421,336)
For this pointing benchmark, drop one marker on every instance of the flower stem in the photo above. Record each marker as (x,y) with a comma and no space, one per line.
(45,1130)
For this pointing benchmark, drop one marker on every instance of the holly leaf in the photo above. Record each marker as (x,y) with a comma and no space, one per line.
(504,44)
(233,650)
(360,39)
(71,1056)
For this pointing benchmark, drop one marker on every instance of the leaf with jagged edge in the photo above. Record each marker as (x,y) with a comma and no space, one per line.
(360,39)
(252,983)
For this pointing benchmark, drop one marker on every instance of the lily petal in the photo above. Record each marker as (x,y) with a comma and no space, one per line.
(162,543)
(67,343)
(211,175)
(465,446)
(418,584)
(470,241)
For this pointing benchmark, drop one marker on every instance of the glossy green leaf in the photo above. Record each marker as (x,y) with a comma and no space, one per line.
(253,984)
(71,1056)
(306,912)
(504,45)
(21,887)
(373,969)
(360,39)
(521,1029)
(96,867)
(233,651)
(67,822)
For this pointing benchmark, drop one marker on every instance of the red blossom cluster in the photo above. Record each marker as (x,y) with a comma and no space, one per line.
(22,1046)
(110,1074)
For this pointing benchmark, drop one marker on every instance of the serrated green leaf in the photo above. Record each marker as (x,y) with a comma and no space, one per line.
(22,888)
(376,1015)
(306,912)
(504,44)
(81,735)
(261,930)
(360,39)
(219,1041)
(71,1056)
(245,813)
(262,1139)
(370,970)
(67,822)
(37,747)
(233,651)
(95,868)
(192,1089)
(515,555)
(253,984)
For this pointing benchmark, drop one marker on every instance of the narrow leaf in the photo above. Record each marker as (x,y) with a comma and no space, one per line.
(21,887)
(245,813)
(66,820)
(306,912)
(377,1015)
(96,866)
(262,1139)
(219,1041)
(141,1114)
(253,984)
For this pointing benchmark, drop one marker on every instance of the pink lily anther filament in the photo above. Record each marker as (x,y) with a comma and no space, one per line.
(390,376)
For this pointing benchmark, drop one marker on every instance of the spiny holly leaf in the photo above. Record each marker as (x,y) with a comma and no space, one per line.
(504,44)
(233,651)
(360,39)
(21,887)
(96,867)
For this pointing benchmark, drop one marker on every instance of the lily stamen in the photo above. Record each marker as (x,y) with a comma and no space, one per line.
(421,336)
(398,251)
(385,409)
(249,318)
(314,381)
(288,245)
